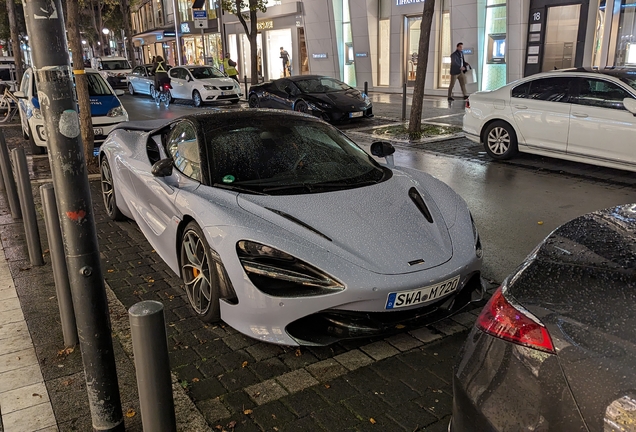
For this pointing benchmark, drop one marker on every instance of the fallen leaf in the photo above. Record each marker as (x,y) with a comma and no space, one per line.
(274,416)
(232,424)
(540,223)
(37,395)
(247,412)
(51,298)
(130,413)
(244,364)
(257,394)
(110,271)
(195,379)
(67,382)
(153,251)
(372,420)
(298,352)
(64,352)
(218,427)
(327,386)
(151,280)
(400,326)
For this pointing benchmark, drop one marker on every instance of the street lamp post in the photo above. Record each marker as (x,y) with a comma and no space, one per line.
(107,34)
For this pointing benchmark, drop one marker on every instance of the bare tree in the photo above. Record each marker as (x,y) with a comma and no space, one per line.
(125,11)
(415,121)
(97,6)
(247,11)
(15,41)
(81,80)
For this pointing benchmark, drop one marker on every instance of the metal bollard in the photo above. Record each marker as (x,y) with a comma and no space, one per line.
(150,349)
(246,91)
(58,262)
(366,88)
(404,102)
(9,181)
(27,206)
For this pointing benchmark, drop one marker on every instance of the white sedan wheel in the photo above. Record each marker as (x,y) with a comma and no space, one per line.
(498,140)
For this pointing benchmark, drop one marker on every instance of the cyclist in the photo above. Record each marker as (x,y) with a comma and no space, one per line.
(160,70)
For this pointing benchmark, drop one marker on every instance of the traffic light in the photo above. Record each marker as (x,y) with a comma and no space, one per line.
(198,4)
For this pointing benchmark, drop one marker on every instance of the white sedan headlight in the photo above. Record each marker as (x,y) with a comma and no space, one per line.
(209,87)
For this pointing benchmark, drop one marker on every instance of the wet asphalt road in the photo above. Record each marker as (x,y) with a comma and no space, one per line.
(514,207)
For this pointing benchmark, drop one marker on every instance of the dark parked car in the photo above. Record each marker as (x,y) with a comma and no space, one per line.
(324,97)
(555,347)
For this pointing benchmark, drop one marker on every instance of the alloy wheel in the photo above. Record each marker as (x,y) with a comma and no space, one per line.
(498,140)
(196,98)
(107,187)
(195,270)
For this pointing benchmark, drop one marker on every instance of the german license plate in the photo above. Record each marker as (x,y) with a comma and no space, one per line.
(98,131)
(356,114)
(401,299)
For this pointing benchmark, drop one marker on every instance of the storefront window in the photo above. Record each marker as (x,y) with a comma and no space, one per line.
(445,50)
(598,35)
(412,26)
(349,56)
(494,68)
(626,40)
(275,40)
(384,40)
(214,49)
(184,10)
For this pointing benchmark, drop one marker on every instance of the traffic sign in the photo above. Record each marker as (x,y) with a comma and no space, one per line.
(200,14)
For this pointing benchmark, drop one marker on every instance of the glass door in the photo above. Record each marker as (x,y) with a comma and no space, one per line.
(412,36)
(560,37)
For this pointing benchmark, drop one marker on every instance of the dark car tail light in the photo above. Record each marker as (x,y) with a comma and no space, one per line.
(501,319)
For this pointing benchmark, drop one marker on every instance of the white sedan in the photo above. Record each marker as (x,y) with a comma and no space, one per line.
(577,114)
(203,84)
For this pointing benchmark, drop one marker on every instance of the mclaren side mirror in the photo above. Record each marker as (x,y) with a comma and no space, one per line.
(383,149)
(163,168)
(19,95)
(630,105)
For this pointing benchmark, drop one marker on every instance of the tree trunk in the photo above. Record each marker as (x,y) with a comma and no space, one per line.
(125,11)
(415,121)
(253,48)
(81,81)
(15,42)
(97,6)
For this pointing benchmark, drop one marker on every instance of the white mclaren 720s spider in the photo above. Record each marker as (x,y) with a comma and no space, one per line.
(288,231)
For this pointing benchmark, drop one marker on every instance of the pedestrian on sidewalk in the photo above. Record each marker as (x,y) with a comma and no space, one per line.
(457,70)
(229,66)
(284,55)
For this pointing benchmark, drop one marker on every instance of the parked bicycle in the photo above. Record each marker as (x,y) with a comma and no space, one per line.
(9,104)
(163,96)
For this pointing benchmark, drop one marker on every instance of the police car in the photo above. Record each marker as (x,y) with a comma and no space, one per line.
(106,109)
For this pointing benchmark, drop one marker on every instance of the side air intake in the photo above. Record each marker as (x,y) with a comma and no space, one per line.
(419,202)
(299,222)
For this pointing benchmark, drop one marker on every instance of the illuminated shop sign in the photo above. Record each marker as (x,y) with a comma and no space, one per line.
(264,25)
(319,56)
(407,2)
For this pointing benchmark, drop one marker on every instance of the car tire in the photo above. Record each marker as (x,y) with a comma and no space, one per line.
(200,274)
(500,140)
(301,106)
(196,99)
(254,102)
(35,149)
(131,89)
(152,91)
(108,192)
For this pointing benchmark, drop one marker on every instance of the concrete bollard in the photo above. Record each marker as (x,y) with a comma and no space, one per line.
(58,262)
(9,181)
(27,206)
(150,348)
(246,89)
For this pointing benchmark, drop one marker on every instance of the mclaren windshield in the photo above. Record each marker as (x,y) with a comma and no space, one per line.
(299,156)
(321,85)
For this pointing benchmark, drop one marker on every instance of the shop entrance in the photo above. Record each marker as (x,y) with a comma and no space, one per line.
(275,40)
(562,29)
(412,36)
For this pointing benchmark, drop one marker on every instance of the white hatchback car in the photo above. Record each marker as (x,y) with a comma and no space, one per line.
(107,110)
(581,115)
(203,84)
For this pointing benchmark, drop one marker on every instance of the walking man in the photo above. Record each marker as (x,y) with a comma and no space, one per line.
(229,67)
(457,69)
(286,66)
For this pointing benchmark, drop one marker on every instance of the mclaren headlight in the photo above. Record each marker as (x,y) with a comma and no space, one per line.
(478,250)
(279,274)
(117,111)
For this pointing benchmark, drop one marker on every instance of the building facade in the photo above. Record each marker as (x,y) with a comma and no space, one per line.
(376,41)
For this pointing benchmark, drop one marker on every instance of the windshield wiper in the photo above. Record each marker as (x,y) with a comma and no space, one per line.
(237,189)
(288,187)
(345,184)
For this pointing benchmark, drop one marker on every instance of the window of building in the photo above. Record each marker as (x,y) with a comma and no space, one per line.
(626,38)
(445,47)
(384,41)
(494,73)
(349,64)
(412,30)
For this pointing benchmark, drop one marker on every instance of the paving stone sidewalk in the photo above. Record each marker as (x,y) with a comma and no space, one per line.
(401,382)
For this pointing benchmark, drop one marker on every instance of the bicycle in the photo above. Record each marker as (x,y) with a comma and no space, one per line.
(163,95)
(9,106)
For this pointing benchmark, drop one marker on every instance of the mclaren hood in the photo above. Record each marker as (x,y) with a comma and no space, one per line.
(393,227)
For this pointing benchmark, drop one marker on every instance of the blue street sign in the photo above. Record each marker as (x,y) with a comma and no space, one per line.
(200,14)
